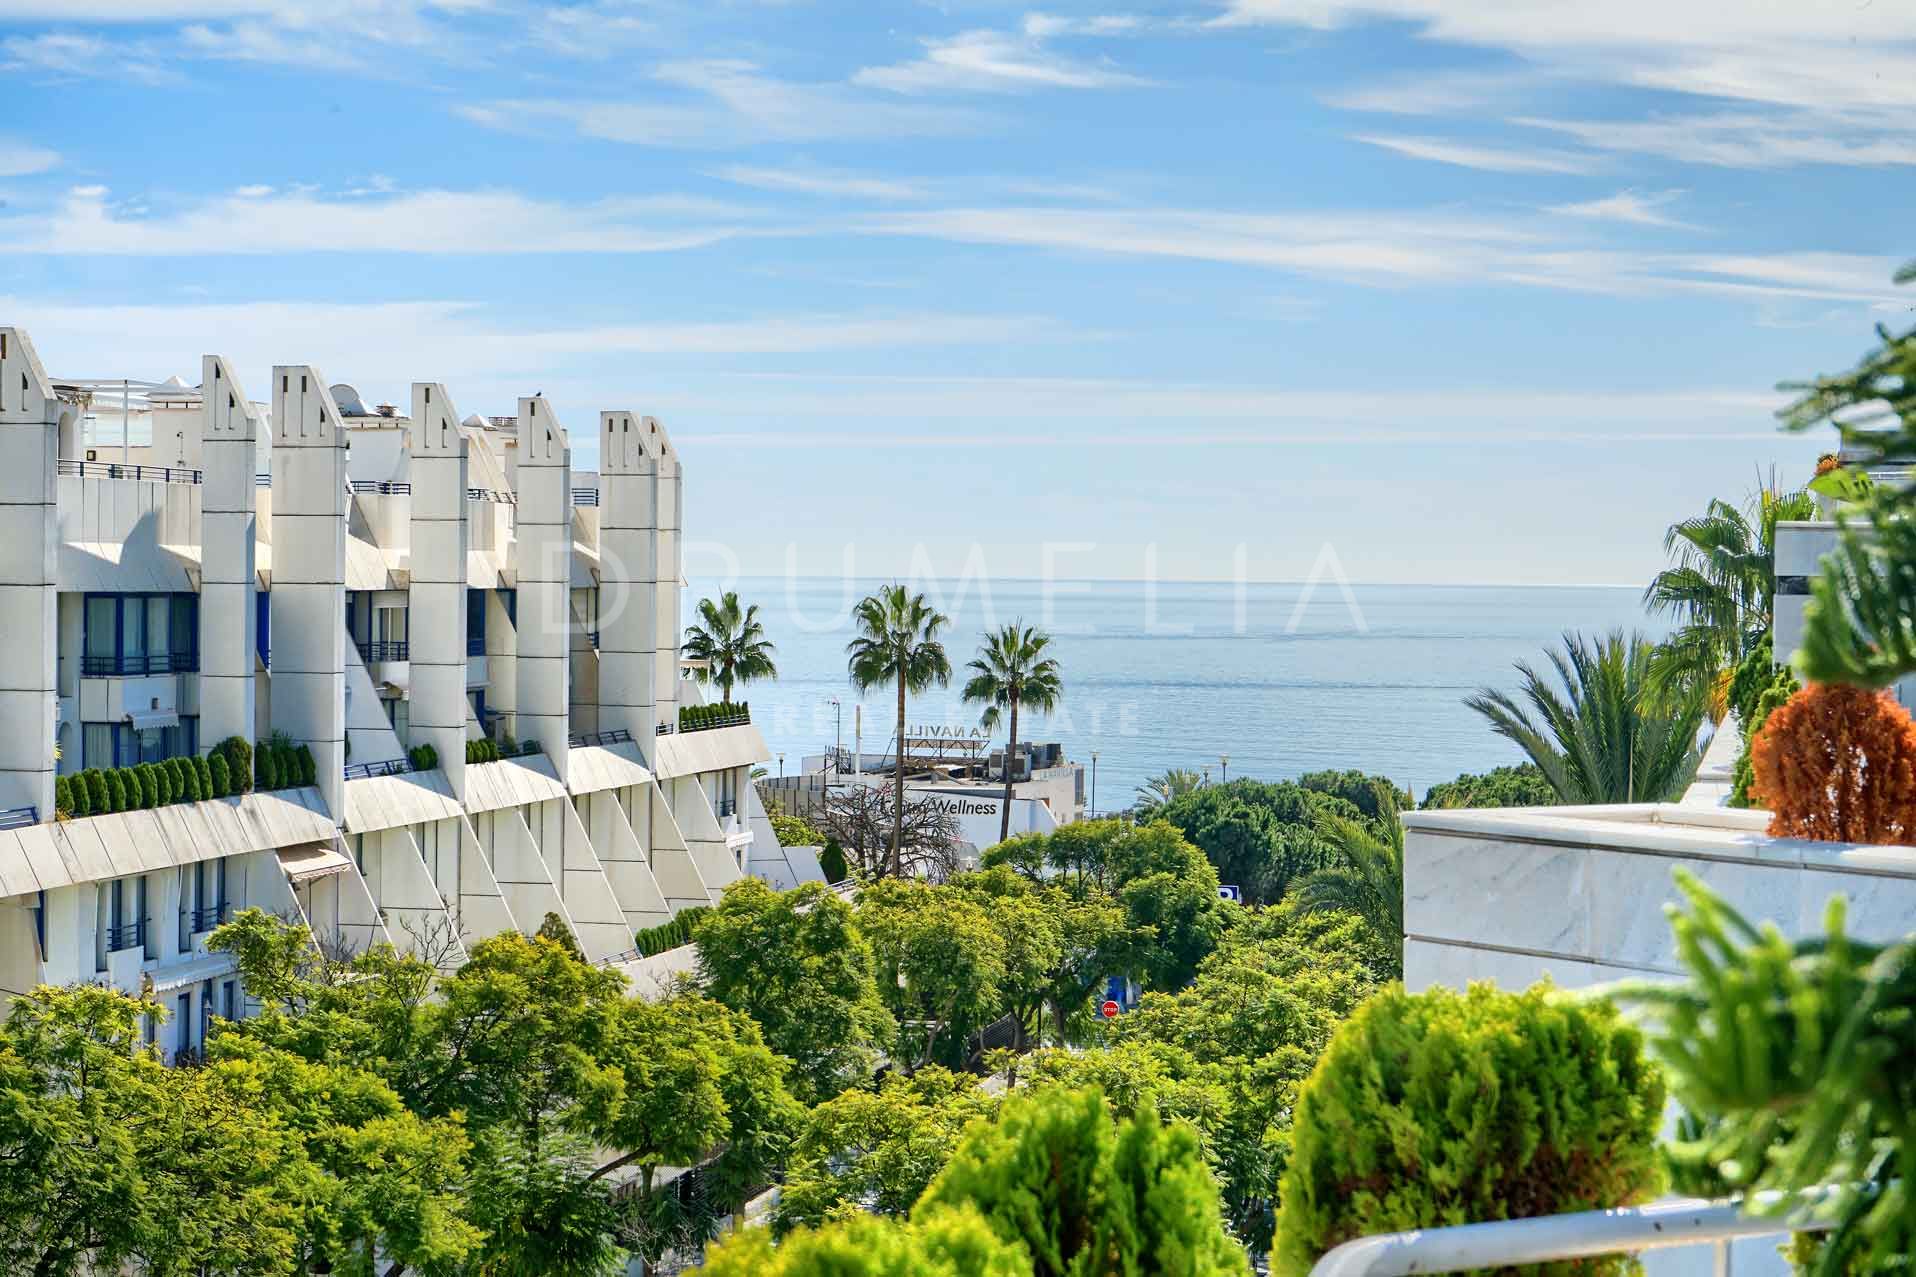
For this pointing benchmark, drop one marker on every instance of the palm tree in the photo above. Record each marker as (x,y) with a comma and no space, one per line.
(1162,788)
(1720,588)
(1367,878)
(897,642)
(1604,739)
(1011,671)
(732,644)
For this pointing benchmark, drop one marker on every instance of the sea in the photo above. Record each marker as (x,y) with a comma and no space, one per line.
(1229,679)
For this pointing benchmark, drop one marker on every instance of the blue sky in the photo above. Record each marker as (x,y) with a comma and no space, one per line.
(1464,291)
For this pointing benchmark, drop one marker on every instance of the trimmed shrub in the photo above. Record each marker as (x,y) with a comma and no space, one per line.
(266,766)
(82,792)
(219,776)
(116,795)
(1445,1108)
(156,785)
(1837,763)
(239,762)
(944,1244)
(529,748)
(62,796)
(176,775)
(99,799)
(203,771)
(831,862)
(190,775)
(304,766)
(669,935)
(422,758)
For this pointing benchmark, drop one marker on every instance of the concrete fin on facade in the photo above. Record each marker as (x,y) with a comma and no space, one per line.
(416,913)
(597,918)
(623,856)
(32,422)
(519,868)
(542,551)
(705,838)
(229,525)
(673,864)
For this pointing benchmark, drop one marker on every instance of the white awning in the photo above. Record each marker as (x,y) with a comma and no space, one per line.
(144,720)
(314,860)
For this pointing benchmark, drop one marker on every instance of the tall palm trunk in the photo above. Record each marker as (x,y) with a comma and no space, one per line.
(1011,750)
(898,788)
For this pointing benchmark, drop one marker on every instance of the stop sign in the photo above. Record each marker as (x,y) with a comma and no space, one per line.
(1110,1009)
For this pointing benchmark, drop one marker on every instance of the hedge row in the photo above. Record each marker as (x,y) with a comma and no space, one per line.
(99,790)
(487,750)
(694,717)
(669,935)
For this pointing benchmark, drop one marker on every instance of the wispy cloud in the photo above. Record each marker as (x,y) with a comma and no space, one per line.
(730,102)
(1635,208)
(1494,159)
(66,55)
(1749,139)
(18,159)
(814,181)
(998,61)
(254,220)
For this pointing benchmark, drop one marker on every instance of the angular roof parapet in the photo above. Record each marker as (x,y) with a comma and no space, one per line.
(26,393)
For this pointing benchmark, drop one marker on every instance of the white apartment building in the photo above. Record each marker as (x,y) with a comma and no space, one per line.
(364,582)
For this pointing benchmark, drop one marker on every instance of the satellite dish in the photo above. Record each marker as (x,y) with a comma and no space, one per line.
(348,401)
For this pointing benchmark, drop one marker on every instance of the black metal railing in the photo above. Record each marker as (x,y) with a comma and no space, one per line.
(491,494)
(727,807)
(617,736)
(386,767)
(475,645)
(384,487)
(263,480)
(665,729)
(19,817)
(706,724)
(585,496)
(211,916)
(384,650)
(130,936)
(593,635)
(128,664)
(120,470)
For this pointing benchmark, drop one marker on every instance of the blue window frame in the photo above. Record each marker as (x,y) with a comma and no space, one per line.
(122,745)
(140,634)
(263,627)
(475,622)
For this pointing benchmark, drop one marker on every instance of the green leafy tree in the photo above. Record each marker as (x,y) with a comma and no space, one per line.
(1444,1108)
(1603,738)
(1264,838)
(831,862)
(1013,670)
(1087,1197)
(940,967)
(1519,785)
(797,964)
(1375,796)
(731,642)
(1365,878)
(878,1150)
(1163,787)
(793,831)
(897,644)
(1720,588)
(1860,623)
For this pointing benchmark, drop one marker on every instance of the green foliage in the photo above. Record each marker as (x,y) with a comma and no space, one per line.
(1162,788)
(422,758)
(176,774)
(879,1149)
(62,796)
(1089,1198)
(552,927)
(1770,697)
(154,786)
(791,831)
(831,862)
(99,797)
(304,766)
(1607,737)
(219,776)
(940,967)
(731,642)
(266,763)
(669,935)
(1798,1064)
(1375,796)
(1365,878)
(897,645)
(1263,837)
(1444,1108)
(116,791)
(239,762)
(1012,671)
(1860,623)
(202,776)
(941,1244)
(1720,589)
(796,963)
(483,750)
(1520,785)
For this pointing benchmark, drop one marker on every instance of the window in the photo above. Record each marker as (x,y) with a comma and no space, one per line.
(149,1029)
(139,634)
(96,745)
(229,999)
(149,943)
(183,1016)
(121,745)
(40,923)
(475,622)
(263,627)
(102,921)
(188,903)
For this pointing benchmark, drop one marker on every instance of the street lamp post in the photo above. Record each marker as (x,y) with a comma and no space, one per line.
(1224,762)
(1207,776)
(781,767)
(1094,784)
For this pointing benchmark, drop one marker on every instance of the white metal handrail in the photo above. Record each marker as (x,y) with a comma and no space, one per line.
(1503,1243)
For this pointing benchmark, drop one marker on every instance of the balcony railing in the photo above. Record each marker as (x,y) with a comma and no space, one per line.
(384,650)
(130,936)
(706,724)
(665,729)
(585,496)
(593,635)
(19,817)
(135,666)
(618,736)
(120,470)
(385,767)
(211,916)
(491,494)
(727,807)
(263,480)
(384,487)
